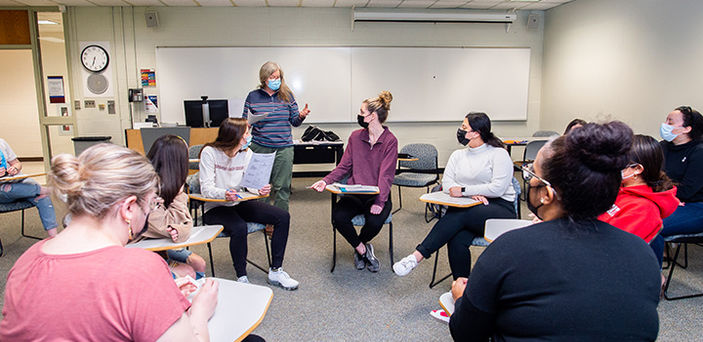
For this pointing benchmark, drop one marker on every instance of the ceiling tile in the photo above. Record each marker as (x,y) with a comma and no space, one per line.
(283,3)
(179,3)
(109,2)
(384,3)
(480,4)
(28,3)
(350,3)
(215,3)
(448,4)
(250,3)
(511,5)
(541,6)
(317,3)
(145,2)
(416,3)
(75,3)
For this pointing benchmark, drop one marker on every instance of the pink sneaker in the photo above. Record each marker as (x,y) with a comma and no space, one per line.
(440,315)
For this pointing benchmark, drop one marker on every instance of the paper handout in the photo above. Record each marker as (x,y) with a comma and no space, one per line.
(259,170)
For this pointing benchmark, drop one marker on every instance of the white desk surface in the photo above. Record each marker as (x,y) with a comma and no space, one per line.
(245,197)
(498,227)
(442,198)
(198,235)
(21,176)
(335,190)
(240,309)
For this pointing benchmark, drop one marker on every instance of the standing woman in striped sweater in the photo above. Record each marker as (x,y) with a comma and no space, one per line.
(273,133)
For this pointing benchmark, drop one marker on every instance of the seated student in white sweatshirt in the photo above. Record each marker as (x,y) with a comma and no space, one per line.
(484,172)
(222,166)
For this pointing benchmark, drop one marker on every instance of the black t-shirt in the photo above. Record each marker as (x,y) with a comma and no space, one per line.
(684,164)
(561,280)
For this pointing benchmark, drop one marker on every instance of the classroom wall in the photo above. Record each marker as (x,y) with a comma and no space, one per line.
(631,60)
(133,48)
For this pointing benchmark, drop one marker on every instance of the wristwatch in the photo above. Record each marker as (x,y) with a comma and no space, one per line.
(463,189)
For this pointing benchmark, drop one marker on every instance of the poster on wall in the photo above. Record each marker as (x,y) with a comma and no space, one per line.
(151,105)
(55,89)
(148,77)
(96,69)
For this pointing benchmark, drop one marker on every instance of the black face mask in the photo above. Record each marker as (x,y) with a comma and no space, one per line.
(530,206)
(360,120)
(461,136)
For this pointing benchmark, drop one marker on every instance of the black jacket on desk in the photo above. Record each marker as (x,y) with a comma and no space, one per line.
(684,165)
(563,281)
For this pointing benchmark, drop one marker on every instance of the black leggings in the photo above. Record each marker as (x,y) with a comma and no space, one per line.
(351,205)
(235,218)
(458,227)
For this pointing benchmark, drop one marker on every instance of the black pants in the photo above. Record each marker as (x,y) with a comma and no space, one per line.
(458,227)
(351,205)
(235,218)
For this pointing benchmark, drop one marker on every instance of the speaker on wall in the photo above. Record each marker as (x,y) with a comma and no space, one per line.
(152,19)
(532,21)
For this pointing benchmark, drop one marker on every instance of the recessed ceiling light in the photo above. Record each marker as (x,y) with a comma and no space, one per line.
(46,22)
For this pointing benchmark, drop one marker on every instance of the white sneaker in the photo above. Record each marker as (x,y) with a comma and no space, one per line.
(282,279)
(243,279)
(405,265)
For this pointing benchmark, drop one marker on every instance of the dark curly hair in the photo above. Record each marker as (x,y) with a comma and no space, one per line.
(692,118)
(584,167)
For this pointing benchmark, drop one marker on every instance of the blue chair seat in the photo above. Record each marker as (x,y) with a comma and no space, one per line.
(480,242)
(359,220)
(414,179)
(14,206)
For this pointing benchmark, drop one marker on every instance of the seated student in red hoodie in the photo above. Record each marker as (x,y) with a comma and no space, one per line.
(646,195)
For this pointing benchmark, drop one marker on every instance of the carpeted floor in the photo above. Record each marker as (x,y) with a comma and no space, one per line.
(351,305)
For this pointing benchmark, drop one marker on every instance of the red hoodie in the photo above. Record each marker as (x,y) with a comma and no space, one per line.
(639,210)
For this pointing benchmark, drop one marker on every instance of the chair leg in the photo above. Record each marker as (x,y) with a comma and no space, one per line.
(334,248)
(400,201)
(668,279)
(24,234)
(2,250)
(212,265)
(434,272)
(390,243)
(268,250)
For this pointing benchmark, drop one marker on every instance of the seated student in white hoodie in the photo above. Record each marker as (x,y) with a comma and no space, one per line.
(484,172)
(222,166)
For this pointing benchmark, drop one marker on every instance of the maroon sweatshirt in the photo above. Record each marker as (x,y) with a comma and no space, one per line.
(368,165)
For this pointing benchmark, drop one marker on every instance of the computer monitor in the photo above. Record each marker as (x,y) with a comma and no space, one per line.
(149,135)
(194,113)
(219,111)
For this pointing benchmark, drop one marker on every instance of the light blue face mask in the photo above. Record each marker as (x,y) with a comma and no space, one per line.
(246,145)
(665,132)
(274,84)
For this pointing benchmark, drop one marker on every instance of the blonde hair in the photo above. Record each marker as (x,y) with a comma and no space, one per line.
(100,177)
(284,93)
(381,105)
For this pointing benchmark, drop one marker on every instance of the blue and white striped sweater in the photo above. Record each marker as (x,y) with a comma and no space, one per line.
(275,129)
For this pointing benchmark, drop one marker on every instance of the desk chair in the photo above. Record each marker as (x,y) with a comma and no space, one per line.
(478,241)
(545,134)
(420,173)
(15,206)
(194,153)
(359,221)
(528,156)
(684,240)
(193,182)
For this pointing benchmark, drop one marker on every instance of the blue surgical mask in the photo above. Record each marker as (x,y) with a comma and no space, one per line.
(274,84)
(665,132)
(246,144)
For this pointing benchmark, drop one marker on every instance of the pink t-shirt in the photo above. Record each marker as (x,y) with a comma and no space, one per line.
(110,294)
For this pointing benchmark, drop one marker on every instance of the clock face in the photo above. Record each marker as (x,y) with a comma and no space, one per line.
(95,58)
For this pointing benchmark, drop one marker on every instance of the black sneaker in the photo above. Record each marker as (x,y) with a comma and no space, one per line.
(372,262)
(359,262)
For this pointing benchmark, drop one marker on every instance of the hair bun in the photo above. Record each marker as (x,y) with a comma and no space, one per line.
(65,175)
(386,97)
(601,147)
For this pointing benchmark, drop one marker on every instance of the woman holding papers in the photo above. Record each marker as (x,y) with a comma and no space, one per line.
(84,284)
(27,189)
(483,172)
(171,217)
(222,166)
(273,133)
(369,159)
(571,277)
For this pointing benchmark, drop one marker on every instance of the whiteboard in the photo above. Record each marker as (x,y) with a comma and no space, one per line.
(428,84)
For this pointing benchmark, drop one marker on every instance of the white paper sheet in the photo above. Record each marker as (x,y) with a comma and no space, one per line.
(258,172)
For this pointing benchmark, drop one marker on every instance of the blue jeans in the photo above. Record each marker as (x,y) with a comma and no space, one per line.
(685,220)
(29,190)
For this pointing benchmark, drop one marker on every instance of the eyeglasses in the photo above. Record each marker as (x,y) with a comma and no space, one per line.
(528,172)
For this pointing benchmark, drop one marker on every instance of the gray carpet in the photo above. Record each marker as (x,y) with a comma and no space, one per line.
(351,305)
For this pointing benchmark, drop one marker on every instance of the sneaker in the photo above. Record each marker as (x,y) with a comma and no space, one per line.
(282,279)
(359,261)
(243,279)
(405,265)
(373,264)
(440,315)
